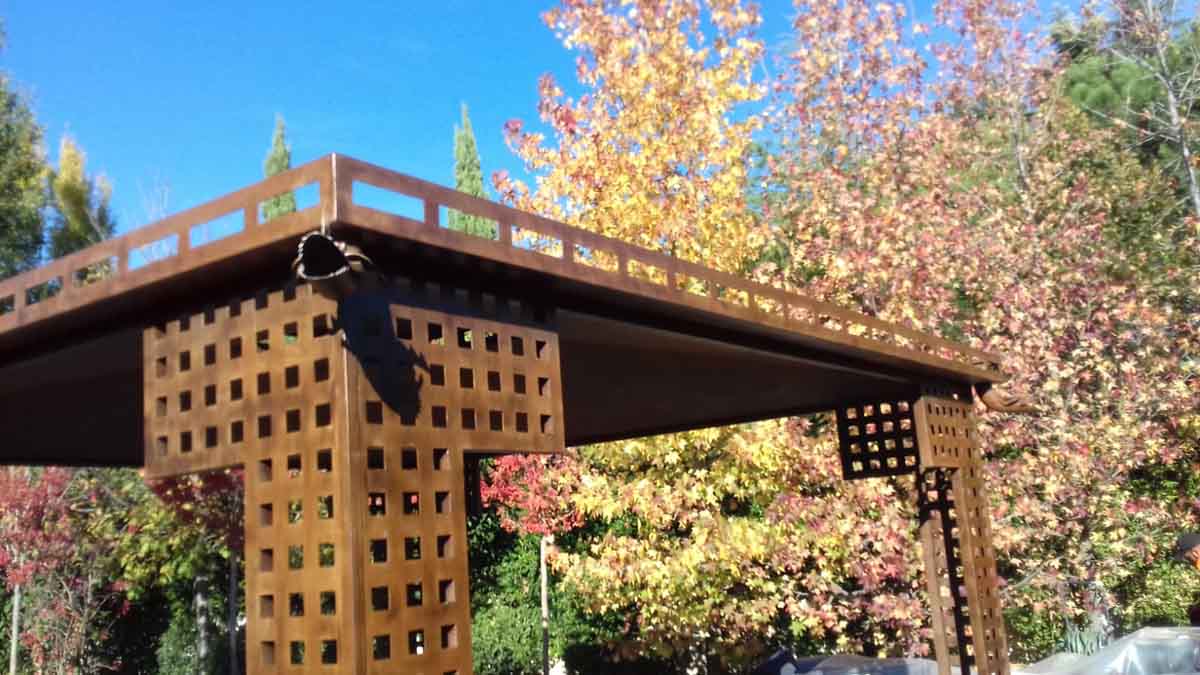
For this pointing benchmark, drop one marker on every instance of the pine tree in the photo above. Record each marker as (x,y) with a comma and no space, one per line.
(279,159)
(468,178)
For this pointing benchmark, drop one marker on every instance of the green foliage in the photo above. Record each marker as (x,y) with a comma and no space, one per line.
(1159,597)
(468,178)
(177,650)
(22,175)
(279,159)
(1033,636)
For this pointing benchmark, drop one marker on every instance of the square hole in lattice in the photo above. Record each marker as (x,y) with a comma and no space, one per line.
(291,377)
(374,412)
(522,422)
(379,550)
(381,647)
(449,637)
(416,642)
(210,395)
(443,546)
(491,341)
(210,354)
(264,384)
(296,557)
(185,441)
(235,307)
(262,340)
(264,470)
(547,424)
(446,591)
(403,328)
(438,413)
(437,375)
(266,515)
(235,389)
(294,465)
(268,653)
(264,426)
(413,595)
(292,421)
(261,300)
(295,511)
(412,548)
(375,459)
(235,348)
(543,386)
(466,338)
(329,654)
(519,383)
(160,366)
(324,507)
(325,461)
(266,606)
(266,560)
(322,326)
(323,415)
(496,420)
(291,333)
(376,503)
(296,650)
(541,349)
(468,418)
(185,401)
(518,346)
(441,502)
(441,459)
(380,598)
(289,292)
(328,603)
(436,337)
(320,370)
(325,555)
(493,380)
(466,378)
(295,604)
(160,445)
(185,361)
(411,503)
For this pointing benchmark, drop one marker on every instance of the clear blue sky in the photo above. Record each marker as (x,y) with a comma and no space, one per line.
(186,92)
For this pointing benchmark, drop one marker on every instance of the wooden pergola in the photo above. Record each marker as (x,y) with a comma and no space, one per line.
(354,401)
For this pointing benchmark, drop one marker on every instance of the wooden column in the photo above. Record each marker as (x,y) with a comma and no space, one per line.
(352,421)
(933,438)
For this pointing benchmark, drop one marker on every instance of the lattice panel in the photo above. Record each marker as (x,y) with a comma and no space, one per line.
(942,554)
(946,429)
(488,380)
(876,439)
(352,422)
(979,569)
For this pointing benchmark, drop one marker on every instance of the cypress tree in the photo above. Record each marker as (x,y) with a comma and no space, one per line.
(279,159)
(468,178)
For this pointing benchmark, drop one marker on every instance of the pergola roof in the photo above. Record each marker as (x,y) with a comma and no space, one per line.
(649,343)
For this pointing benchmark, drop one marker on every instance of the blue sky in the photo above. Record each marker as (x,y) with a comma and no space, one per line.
(186,93)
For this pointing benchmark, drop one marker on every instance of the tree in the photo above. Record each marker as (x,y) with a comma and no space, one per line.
(655,152)
(468,178)
(1136,65)
(279,159)
(81,215)
(22,180)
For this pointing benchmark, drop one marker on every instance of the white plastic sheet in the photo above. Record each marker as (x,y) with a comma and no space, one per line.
(1149,651)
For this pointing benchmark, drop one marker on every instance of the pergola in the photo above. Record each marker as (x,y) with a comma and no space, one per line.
(353,401)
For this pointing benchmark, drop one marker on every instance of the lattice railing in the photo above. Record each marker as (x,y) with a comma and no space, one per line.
(170,246)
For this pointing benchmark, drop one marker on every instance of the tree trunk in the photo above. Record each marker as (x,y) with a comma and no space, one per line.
(16,630)
(200,602)
(231,616)
(545,608)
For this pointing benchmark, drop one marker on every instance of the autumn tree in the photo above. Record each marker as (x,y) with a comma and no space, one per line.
(81,213)
(279,159)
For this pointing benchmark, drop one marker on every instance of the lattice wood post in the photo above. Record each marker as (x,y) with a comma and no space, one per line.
(934,438)
(352,421)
